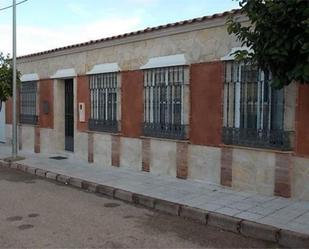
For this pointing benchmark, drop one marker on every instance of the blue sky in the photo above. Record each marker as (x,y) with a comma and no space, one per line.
(46,24)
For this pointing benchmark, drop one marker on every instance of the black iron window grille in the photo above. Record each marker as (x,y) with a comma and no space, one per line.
(253,110)
(164,102)
(28,96)
(103,97)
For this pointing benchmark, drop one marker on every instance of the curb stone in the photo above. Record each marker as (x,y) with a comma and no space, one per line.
(144,201)
(51,176)
(167,207)
(13,165)
(124,195)
(259,231)
(20,167)
(5,164)
(195,214)
(40,172)
(293,240)
(63,179)
(24,168)
(90,186)
(224,222)
(106,190)
(31,170)
(75,182)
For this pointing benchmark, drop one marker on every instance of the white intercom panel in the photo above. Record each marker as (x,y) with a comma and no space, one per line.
(81,108)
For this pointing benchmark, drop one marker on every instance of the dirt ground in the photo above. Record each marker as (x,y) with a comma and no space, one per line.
(36,213)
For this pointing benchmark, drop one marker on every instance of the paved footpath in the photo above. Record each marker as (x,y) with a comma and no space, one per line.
(276,219)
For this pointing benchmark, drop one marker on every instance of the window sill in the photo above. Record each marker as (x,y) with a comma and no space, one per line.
(257,149)
(104,133)
(166,139)
(26,124)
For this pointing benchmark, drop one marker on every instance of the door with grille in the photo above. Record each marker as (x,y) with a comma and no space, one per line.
(69,115)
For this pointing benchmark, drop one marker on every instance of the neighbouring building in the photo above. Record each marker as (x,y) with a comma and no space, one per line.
(168,100)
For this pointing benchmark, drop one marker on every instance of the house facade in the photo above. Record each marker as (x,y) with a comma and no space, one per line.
(169,100)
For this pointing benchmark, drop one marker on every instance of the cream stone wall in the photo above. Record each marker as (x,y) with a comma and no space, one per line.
(254,170)
(81,145)
(199,46)
(204,163)
(131,153)
(27,136)
(48,141)
(102,144)
(300,178)
(163,157)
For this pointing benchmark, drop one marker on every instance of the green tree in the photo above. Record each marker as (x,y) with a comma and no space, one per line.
(6,78)
(278,33)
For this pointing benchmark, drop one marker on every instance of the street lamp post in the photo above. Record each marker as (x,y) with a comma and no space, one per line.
(14,128)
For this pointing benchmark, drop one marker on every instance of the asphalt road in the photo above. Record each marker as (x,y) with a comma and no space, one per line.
(36,213)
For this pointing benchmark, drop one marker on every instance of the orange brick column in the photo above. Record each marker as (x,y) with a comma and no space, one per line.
(283,175)
(226,167)
(46,101)
(45,107)
(302,121)
(206,89)
(83,96)
(115,151)
(132,107)
(182,160)
(146,154)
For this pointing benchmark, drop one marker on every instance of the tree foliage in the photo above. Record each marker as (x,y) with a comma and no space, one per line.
(6,78)
(278,33)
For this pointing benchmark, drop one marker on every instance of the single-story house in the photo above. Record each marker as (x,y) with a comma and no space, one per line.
(169,100)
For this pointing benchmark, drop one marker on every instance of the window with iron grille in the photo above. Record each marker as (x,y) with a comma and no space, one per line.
(103,97)
(253,110)
(164,102)
(28,96)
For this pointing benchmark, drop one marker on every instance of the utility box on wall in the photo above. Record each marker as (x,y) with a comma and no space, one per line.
(81,109)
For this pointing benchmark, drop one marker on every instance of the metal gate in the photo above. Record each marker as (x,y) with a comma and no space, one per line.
(69,115)
(2,122)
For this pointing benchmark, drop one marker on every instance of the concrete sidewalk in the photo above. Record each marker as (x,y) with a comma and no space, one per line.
(276,219)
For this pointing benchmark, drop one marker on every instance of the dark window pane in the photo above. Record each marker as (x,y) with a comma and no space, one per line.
(28,92)
(253,110)
(163,93)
